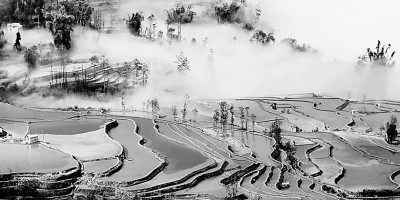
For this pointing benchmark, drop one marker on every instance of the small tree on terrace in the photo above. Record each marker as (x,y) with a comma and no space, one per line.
(184,110)
(247,116)
(391,131)
(152,26)
(195,111)
(182,63)
(216,117)
(224,113)
(143,68)
(31,56)
(253,120)
(242,115)
(155,106)
(174,112)
(275,131)
(232,115)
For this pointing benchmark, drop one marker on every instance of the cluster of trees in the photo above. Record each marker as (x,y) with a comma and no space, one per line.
(261,37)
(34,12)
(180,14)
(289,147)
(31,56)
(81,11)
(222,116)
(184,111)
(381,56)
(61,18)
(134,23)
(227,12)
(177,15)
(61,26)
(26,12)
(292,43)
(231,13)
(7,89)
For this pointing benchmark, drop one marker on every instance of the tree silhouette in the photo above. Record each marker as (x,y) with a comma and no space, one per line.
(182,63)
(381,56)
(174,112)
(391,131)
(261,37)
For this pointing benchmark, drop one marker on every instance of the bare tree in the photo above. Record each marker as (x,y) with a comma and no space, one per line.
(247,115)
(195,112)
(232,115)
(174,112)
(242,115)
(224,114)
(182,63)
(184,110)
(253,120)
(216,117)
(155,106)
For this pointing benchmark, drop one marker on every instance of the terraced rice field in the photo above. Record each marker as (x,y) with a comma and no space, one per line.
(99,166)
(67,127)
(16,129)
(165,156)
(10,112)
(33,158)
(140,161)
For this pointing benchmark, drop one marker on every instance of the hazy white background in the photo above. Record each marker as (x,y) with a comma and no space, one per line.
(340,30)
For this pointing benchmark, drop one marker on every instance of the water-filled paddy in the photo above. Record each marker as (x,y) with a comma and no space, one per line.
(368,177)
(17,129)
(33,158)
(179,156)
(100,165)
(67,127)
(375,121)
(366,145)
(26,114)
(85,146)
(260,145)
(142,160)
(329,168)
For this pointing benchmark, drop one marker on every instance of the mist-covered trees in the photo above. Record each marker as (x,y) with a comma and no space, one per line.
(81,11)
(292,43)
(227,12)
(261,37)
(144,70)
(185,107)
(28,13)
(381,55)
(391,129)
(61,27)
(180,14)
(134,23)
(31,57)
(182,63)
